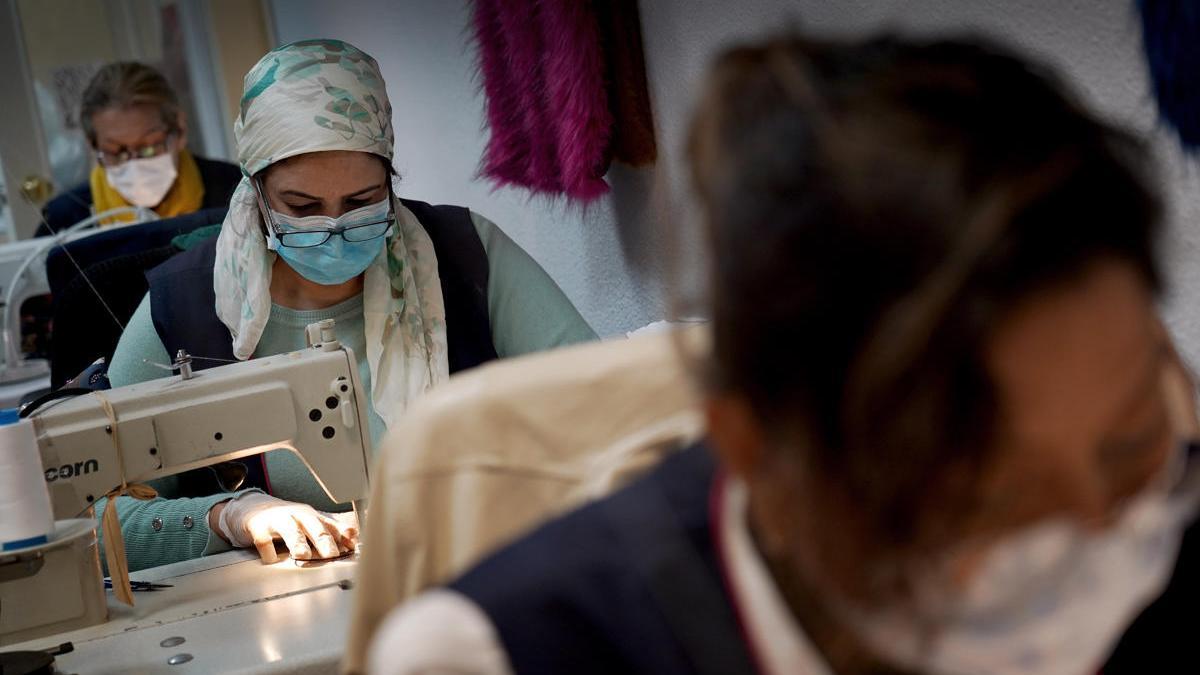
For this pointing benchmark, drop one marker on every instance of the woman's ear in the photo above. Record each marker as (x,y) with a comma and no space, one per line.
(736,433)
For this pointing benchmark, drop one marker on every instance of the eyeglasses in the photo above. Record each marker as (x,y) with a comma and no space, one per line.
(351,233)
(310,237)
(143,152)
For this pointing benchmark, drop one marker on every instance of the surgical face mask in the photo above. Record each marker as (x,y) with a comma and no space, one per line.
(330,251)
(143,182)
(1052,600)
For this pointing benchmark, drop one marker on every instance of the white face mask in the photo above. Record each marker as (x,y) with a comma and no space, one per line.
(1052,600)
(144,182)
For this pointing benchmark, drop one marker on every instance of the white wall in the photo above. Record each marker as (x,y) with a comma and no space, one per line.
(610,260)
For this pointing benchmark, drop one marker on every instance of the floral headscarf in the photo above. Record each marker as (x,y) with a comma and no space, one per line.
(313,96)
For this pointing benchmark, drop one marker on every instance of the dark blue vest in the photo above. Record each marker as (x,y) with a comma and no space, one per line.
(183,303)
(629,584)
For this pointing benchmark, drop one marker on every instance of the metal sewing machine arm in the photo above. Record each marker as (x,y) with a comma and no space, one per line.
(310,402)
(23,275)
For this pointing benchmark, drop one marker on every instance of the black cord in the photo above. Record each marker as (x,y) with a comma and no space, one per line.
(65,392)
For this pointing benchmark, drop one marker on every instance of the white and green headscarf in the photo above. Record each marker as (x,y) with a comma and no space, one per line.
(313,96)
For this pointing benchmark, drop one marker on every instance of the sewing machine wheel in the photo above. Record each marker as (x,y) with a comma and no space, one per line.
(26,663)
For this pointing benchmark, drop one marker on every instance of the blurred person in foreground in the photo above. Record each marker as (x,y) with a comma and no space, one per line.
(944,418)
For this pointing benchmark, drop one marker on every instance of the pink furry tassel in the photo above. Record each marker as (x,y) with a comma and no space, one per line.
(543,69)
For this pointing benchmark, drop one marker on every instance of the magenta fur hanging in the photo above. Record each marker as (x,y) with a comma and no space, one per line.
(544,70)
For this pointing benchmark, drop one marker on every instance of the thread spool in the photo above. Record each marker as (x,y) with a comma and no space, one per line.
(26,517)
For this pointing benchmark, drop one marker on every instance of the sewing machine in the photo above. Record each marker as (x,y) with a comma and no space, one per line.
(310,401)
(22,277)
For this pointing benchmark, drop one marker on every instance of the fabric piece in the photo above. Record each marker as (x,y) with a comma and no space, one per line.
(312,96)
(185,196)
(499,449)
(554,120)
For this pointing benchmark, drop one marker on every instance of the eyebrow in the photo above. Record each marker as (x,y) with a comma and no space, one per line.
(155,130)
(297,193)
(121,145)
(305,195)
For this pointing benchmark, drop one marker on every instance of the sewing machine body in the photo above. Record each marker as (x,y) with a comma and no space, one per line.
(309,401)
(30,280)
(23,276)
(12,256)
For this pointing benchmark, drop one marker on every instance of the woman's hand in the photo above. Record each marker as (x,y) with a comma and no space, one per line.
(256,519)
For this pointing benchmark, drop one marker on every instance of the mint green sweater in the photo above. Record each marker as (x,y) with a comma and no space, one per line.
(528,313)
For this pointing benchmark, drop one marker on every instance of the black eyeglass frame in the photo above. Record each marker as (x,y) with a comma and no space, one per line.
(282,236)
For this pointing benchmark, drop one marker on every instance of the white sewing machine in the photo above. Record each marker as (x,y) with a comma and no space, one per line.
(310,402)
(23,276)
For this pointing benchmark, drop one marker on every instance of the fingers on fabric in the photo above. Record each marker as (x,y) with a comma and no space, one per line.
(346,528)
(293,536)
(319,531)
(306,532)
(264,541)
(279,522)
(342,534)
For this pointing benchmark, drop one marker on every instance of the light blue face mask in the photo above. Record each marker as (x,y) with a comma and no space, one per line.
(330,251)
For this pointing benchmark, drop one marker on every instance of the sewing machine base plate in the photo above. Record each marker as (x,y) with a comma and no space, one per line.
(224,613)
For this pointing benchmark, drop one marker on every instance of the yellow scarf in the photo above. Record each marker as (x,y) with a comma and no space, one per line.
(185,196)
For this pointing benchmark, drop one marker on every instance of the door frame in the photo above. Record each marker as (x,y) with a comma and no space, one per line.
(23,151)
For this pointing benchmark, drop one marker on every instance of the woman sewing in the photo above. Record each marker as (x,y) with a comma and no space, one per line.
(315,231)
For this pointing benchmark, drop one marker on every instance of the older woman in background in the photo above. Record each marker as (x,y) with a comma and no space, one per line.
(132,119)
